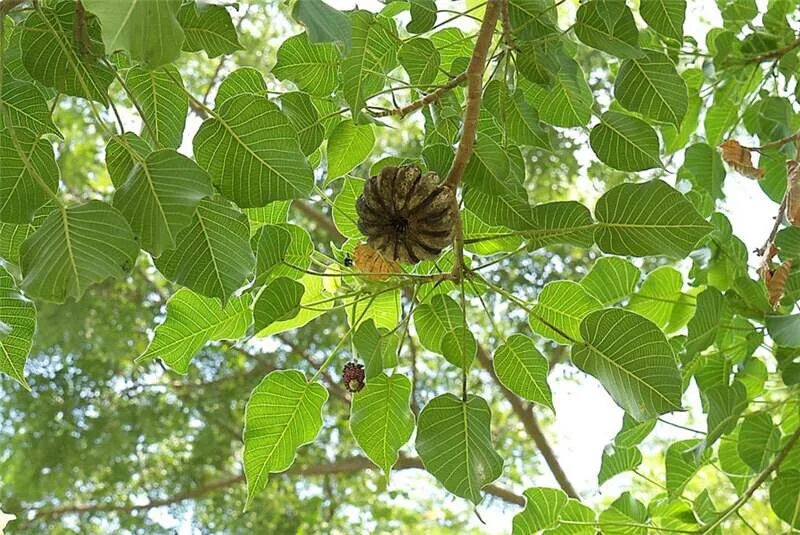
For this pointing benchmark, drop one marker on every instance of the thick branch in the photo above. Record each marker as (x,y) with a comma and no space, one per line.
(525,414)
(474,86)
(424,101)
(344,466)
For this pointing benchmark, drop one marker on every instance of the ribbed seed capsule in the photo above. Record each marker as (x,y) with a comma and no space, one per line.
(406,215)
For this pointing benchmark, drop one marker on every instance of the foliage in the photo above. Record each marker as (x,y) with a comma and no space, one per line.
(644,285)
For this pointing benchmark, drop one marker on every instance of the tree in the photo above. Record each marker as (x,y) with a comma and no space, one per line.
(372,259)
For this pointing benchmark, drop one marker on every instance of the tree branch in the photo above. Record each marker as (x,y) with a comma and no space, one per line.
(424,101)
(774,54)
(531,425)
(343,466)
(323,221)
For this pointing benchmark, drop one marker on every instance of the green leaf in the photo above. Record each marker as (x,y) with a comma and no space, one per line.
(313,67)
(559,310)
(381,419)
(344,208)
(376,347)
(384,308)
(737,471)
(13,236)
(704,165)
(759,440)
(374,53)
(784,497)
(51,56)
(304,118)
(617,36)
(26,108)
(706,322)
(278,301)
(625,142)
(26,164)
(542,510)
(611,279)
(122,154)
(274,213)
(632,359)
(18,317)
(423,16)
(788,241)
(625,516)
(148,31)
(474,229)
(74,248)
(617,460)
(434,319)
(315,302)
(208,27)
(784,330)
(254,135)
(163,103)
(682,464)
(271,245)
(245,80)
(159,198)
(658,296)
(632,432)
(455,444)
(725,405)
(664,16)
(420,59)
(323,23)
(212,255)
(720,117)
(647,219)
(575,519)
(650,85)
(519,120)
(561,222)
(349,145)
(568,102)
(459,347)
(192,321)
(523,370)
(283,413)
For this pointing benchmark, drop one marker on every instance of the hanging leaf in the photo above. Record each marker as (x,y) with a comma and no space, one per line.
(163,104)
(615,34)
(348,145)
(148,31)
(159,198)
(420,59)
(344,208)
(305,120)
(208,27)
(559,310)
(784,495)
(611,279)
(18,318)
(617,461)
(283,413)
(323,23)
(705,169)
(423,16)
(758,441)
(212,255)
(650,85)
(313,67)
(436,318)
(624,517)
(27,167)
(625,142)
(314,303)
(568,102)
(523,370)
(256,136)
(193,320)
(278,301)
(726,404)
(632,359)
(740,159)
(381,419)
(650,218)
(376,347)
(666,18)
(26,108)
(542,510)
(454,442)
(74,248)
(658,296)
(245,80)
(682,464)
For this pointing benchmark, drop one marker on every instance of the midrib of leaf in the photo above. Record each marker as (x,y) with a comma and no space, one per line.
(626,138)
(211,33)
(204,332)
(126,19)
(210,250)
(638,380)
(655,90)
(669,19)
(280,438)
(68,243)
(7,356)
(466,446)
(79,69)
(156,135)
(530,376)
(25,158)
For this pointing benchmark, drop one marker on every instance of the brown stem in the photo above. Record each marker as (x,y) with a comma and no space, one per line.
(8,5)
(508,38)
(344,466)
(778,220)
(474,85)
(525,414)
(424,101)
(774,54)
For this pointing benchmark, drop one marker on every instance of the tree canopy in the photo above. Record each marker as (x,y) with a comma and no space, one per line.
(288,268)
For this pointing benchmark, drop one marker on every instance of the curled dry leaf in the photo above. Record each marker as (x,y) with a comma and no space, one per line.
(740,159)
(793,192)
(368,260)
(775,280)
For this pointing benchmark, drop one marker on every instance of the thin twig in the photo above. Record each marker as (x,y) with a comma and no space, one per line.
(508,37)
(424,101)
(778,220)
(774,54)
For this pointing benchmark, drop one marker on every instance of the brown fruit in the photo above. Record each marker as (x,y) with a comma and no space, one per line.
(407,216)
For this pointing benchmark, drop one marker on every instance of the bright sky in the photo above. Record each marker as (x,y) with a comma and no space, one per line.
(587,419)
